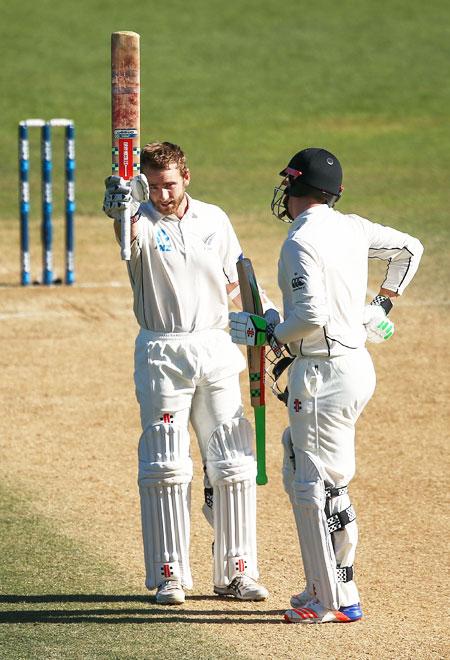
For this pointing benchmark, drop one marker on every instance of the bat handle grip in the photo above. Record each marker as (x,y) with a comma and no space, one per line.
(261,476)
(260,427)
(125,235)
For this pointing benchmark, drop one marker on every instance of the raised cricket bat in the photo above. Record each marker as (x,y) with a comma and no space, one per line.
(251,302)
(125,114)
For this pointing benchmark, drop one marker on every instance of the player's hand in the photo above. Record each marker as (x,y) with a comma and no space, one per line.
(121,194)
(272,317)
(139,188)
(117,196)
(248,329)
(378,327)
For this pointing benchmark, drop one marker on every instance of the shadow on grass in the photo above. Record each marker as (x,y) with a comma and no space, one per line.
(127,615)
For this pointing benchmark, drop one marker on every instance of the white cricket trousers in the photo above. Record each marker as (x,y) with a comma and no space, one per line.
(188,377)
(326,397)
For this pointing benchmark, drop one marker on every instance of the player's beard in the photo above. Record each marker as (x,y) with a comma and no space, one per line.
(171,207)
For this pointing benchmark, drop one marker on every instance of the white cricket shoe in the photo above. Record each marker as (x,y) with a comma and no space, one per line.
(170,592)
(298,600)
(243,587)
(314,612)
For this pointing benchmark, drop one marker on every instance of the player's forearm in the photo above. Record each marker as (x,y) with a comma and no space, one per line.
(403,266)
(234,294)
(388,293)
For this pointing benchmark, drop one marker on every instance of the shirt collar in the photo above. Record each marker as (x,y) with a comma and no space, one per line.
(313,211)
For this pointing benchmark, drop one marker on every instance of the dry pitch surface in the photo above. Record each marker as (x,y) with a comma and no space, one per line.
(68,403)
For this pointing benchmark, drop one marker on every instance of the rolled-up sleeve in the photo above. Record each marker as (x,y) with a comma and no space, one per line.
(402,252)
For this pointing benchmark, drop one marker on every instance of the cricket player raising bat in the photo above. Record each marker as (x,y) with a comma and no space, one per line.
(182,264)
(322,273)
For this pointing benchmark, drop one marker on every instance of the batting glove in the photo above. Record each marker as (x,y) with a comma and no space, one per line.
(253,330)
(378,327)
(121,194)
(248,329)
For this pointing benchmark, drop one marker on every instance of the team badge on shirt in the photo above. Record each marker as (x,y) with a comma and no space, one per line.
(163,241)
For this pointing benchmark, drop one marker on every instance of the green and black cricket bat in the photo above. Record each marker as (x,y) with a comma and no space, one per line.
(251,302)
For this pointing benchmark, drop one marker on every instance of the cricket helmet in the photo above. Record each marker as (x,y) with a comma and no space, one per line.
(314,168)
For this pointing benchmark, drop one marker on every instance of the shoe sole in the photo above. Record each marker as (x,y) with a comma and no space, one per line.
(219,592)
(305,618)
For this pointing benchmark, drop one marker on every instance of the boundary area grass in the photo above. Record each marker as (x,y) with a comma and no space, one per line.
(56,601)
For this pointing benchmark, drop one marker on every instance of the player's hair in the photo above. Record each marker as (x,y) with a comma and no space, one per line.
(161,155)
(304,190)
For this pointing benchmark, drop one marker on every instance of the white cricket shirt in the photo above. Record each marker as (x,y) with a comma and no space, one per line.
(323,273)
(179,268)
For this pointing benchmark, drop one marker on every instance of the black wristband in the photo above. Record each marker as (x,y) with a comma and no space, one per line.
(384,302)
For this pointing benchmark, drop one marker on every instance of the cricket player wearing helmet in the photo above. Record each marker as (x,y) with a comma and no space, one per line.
(323,274)
(183,263)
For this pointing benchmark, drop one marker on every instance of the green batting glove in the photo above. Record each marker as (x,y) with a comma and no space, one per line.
(248,329)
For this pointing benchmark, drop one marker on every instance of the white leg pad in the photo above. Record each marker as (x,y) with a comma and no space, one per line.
(288,474)
(165,474)
(345,541)
(315,540)
(231,470)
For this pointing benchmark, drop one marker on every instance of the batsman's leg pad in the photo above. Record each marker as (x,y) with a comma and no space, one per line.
(342,520)
(231,470)
(165,474)
(315,539)
(288,474)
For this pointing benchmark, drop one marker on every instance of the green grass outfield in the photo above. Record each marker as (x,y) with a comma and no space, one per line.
(243,85)
(57,601)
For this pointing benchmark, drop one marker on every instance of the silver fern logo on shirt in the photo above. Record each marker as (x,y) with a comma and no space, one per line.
(297,283)
(163,241)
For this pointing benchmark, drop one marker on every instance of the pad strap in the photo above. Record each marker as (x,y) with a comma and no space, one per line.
(208,493)
(335,492)
(344,573)
(340,519)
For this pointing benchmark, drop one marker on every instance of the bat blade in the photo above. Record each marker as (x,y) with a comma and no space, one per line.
(251,302)
(125,115)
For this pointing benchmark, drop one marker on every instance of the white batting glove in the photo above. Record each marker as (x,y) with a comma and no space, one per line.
(139,188)
(121,194)
(248,329)
(378,327)
(253,330)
